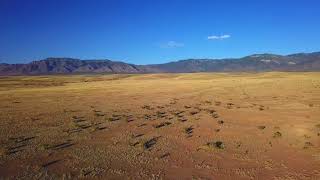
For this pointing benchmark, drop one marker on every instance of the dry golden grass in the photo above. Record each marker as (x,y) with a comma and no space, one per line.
(170,126)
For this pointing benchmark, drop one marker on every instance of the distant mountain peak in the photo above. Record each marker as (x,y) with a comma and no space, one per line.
(264,55)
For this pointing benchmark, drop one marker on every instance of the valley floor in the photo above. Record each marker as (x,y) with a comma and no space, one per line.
(161,126)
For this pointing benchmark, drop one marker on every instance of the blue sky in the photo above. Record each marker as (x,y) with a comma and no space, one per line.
(155,31)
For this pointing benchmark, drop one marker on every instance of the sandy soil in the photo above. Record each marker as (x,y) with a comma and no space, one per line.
(161,126)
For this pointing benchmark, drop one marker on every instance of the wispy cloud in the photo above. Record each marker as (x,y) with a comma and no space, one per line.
(225,36)
(172,44)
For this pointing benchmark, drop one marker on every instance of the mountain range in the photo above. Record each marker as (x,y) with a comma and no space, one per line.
(252,63)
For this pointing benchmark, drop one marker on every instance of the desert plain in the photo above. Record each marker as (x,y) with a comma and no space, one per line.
(161,126)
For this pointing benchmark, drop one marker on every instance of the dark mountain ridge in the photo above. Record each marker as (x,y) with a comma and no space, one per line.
(255,62)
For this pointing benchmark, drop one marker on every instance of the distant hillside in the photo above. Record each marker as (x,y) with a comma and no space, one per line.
(256,62)
(66,66)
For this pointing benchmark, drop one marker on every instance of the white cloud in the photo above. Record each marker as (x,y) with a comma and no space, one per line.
(171,44)
(225,36)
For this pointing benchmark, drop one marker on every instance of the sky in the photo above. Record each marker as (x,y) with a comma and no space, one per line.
(155,31)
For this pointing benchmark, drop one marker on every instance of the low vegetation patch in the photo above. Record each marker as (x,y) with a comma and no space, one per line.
(261,127)
(114,117)
(162,124)
(215,115)
(220,122)
(188,130)
(194,112)
(147,107)
(307,145)
(216,144)
(277,134)
(150,143)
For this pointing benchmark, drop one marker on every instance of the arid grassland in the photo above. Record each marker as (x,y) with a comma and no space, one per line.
(161,126)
